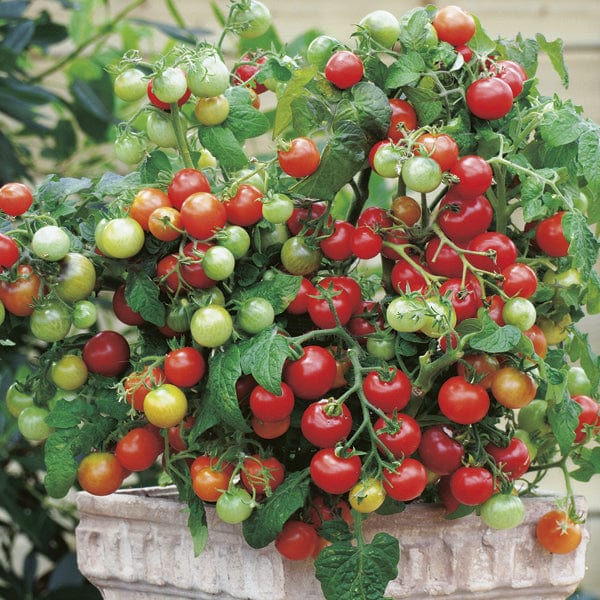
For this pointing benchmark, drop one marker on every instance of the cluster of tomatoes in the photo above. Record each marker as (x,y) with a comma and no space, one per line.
(379,398)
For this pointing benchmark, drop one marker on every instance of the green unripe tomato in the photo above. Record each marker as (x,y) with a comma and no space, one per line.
(255,314)
(236,239)
(17,400)
(578,383)
(234,506)
(382,26)
(320,50)
(69,372)
(130,148)
(51,321)
(503,511)
(130,85)
(526,439)
(208,77)
(160,131)
(218,263)
(251,20)
(170,85)
(211,326)
(519,312)
(278,208)
(51,243)
(85,314)
(2,313)
(32,424)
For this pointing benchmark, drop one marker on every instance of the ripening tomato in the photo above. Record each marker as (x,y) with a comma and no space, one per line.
(513,388)
(589,417)
(453,25)
(344,69)
(137,385)
(439,146)
(557,532)
(262,475)
(202,215)
(145,202)
(100,473)
(18,296)
(210,477)
(404,117)
(367,495)
(299,158)
(245,207)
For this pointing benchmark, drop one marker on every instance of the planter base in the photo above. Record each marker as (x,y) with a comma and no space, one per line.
(135,545)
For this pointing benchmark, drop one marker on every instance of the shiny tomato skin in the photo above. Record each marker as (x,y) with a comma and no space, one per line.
(589,415)
(475,175)
(388,394)
(262,475)
(489,98)
(403,116)
(407,481)
(9,251)
(439,452)
(402,442)
(461,219)
(557,532)
(123,311)
(300,159)
(107,353)
(18,296)
(202,215)
(313,374)
(100,473)
(139,448)
(323,429)
(472,485)
(504,248)
(463,402)
(334,474)
(15,199)
(513,460)
(550,236)
(245,207)
(184,366)
(296,541)
(270,407)
(184,183)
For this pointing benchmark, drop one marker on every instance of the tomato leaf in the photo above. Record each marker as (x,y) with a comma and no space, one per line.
(263,356)
(493,338)
(142,295)
(554,50)
(219,403)
(224,146)
(588,461)
(360,572)
(563,413)
(61,466)
(406,70)
(153,164)
(579,349)
(562,126)
(267,520)
(294,89)
(244,120)
(583,245)
(373,110)
(279,290)
(589,159)
(426,104)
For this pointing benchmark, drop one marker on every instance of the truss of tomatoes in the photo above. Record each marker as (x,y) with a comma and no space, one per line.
(257,350)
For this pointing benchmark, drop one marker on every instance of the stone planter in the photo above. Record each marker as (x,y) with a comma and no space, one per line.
(135,545)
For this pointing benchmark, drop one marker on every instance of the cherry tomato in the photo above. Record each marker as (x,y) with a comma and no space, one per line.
(296,541)
(503,511)
(270,407)
(519,312)
(325,312)
(139,448)
(421,174)
(107,353)
(32,425)
(69,372)
(51,243)
(478,367)
(211,111)
(557,532)
(234,506)
(588,417)
(466,299)
(245,208)
(202,214)
(300,158)
(262,475)
(338,246)
(513,460)
(461,219)
(298,257)
(406,313)
(211,326)
(382,26)
(389,393)
(489,98)
(407,278)
(313,374)
(9,251)
(463,402)
(123,311)
(453,25)
(15,199)
(502,251)
(367,495)
(184,367)
(145,202)
(77,278)
(406,210)
(366,243)
(404,117)
(184,183)
(513,388)
(441,147)
(550,236)
(401,435)
(18,296)
(137,385)
(439,451)
(165,223)
(210,477)
(334,474)
(407,481)
(251,20)
(165,405)
(120,238)
(519,280)
(344,69)
(326,423)
(100,473)
(472,485)
(442,259)
(270,430)
(474,174)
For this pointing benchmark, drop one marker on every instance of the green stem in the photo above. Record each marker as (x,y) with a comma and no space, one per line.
(105,30)
(184,149)
(175,14)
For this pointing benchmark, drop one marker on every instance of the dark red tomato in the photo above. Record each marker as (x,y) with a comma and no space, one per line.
(313,374)
(325,313)
(300,158)
(9,251)
(100,473)
(184,183)
(107,353)
(344,69)
(519,280)
(461,219)
(137,385)
(376,218)
(501,248)
(466,299)
(512,73)
(392,239)
(245,207)
(246,71)
(304,216)
(475,175)
(489,98)
(366,243)
(514,460)
(167,272)
(550,236)
(299,305)
(495,306)
(15,198)
(366,320)
(463,402)
(19,296)
(191,268)
(407,481)
(406,278)
(439,451)
(202,215)
(388,394)
(123,311)
(345,282)
(325,423)
(297,540)
(453,25)
(270,407)
(442,259)
(403,117)
(139,448)
(439,146)
(262,475)
(184,367)
(338,246)
(401,436)
(472,485)
(334,474)
(589,416)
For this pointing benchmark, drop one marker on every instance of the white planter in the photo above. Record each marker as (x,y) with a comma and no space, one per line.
(134,545)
